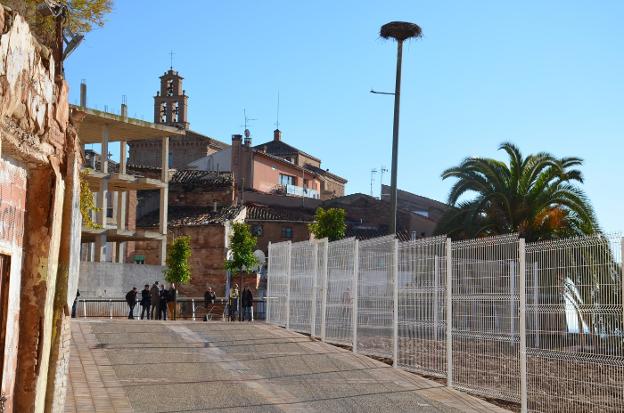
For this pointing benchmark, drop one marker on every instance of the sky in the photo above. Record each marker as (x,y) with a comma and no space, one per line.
(547,76)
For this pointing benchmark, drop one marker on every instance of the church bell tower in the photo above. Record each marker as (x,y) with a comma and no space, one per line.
(171,102)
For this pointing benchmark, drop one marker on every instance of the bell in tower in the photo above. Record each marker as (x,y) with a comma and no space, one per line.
(171,102)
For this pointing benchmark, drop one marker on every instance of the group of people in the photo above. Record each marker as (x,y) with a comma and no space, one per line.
(246,303)
(156,301)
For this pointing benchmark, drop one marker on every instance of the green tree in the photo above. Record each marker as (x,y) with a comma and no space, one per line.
(242,245)
(538,196)
(329,224)
(178,254)
(83,16)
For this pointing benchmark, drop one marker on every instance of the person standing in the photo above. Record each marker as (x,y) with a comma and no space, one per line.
(162,302)
(247,303)
(233,302)
(131,300)
(209,300)
(75,304)
(155,300)
(146,302)
(171,301)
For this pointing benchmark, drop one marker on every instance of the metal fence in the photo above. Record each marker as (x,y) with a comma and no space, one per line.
(185,308)
(541,324)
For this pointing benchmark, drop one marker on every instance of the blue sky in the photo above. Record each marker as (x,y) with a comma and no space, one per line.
(547,76)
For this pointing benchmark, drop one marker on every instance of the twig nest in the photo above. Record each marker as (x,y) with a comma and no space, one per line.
(400,31)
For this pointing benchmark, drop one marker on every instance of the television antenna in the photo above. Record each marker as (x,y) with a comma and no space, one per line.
(171,53)
(382,171)
(247,119)
(277,121)
(372,181)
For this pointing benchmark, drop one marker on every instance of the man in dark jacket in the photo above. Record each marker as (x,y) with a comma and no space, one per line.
(247,302)
(155,300)
(163,302)
(146,302)
(209,301)
(171,301)
(131,300)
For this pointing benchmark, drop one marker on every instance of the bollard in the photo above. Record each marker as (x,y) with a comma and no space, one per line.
(110,309)
(193,307)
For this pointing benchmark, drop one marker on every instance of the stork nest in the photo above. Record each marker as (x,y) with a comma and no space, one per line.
(400,31)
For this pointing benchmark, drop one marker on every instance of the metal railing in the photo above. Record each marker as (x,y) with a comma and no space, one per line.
(185,309)
(541,324)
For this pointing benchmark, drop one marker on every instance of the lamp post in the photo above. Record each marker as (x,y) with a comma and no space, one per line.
(399,31)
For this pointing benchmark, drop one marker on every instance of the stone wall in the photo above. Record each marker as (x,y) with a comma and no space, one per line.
(112,280)
(38,138)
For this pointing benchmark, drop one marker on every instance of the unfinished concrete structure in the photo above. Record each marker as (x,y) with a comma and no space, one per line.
(115,185)
(39,222)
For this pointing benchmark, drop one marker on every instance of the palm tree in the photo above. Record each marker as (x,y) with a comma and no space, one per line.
(538,197)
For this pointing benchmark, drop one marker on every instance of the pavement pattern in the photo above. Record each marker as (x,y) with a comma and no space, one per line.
(180,366)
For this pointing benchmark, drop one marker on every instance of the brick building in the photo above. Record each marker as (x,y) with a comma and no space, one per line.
(273,167)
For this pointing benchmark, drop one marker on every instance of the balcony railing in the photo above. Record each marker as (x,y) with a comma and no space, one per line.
(300,191)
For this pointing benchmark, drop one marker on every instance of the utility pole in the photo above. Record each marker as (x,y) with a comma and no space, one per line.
(399,31)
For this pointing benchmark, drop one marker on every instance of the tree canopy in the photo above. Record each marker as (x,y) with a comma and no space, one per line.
(242,245)
(178,254)
(329,224)
(538,196)
(83,16)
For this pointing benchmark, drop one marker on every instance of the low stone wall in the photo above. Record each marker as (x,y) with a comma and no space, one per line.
(112,280)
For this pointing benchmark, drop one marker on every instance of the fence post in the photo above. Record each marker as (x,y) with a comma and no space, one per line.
(324,290)
(622,275)
(110,309)
(288,274)
(536,321)
(193,308)
(267,303)
(449,313)
(354,295)
(395,303)
(436,288)
(523,348)
(512,293)
(314,286)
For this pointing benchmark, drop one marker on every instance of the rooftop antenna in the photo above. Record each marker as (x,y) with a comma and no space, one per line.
(277,122)
(382,171)
(171,59)
(247,120)
(373,172)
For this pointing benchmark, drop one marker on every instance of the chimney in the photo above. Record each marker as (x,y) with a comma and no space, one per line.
(277,135)
(247,141)
(247,137)
(236,140)
(83,93)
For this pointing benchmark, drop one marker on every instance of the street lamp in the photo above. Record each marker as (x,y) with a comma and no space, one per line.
(399,31)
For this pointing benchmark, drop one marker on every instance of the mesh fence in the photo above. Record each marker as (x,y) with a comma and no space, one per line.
(339,307)
(375,295)
(303,263)
(277,286)
(571,299)
(422,306)
(575,335)
(320,289)
(486,356)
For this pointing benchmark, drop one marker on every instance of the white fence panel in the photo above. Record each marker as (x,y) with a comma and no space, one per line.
(422,312)
(320,287)
(486,350)
(277,283)
(575,340)
(375,296)
(339,308)
(303,265)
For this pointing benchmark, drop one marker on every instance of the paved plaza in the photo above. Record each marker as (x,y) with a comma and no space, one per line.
(153,366)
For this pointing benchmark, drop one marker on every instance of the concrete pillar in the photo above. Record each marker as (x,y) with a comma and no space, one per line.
(100,241)
(164,198)
(120,252)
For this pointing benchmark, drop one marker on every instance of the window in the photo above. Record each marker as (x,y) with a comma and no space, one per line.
(256,230)
(286,179)
(287,232)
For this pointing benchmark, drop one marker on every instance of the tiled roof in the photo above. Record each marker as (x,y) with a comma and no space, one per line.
(281,149)
(193,177)
(275,213)
(368,233)
(321,171)
(190,216)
